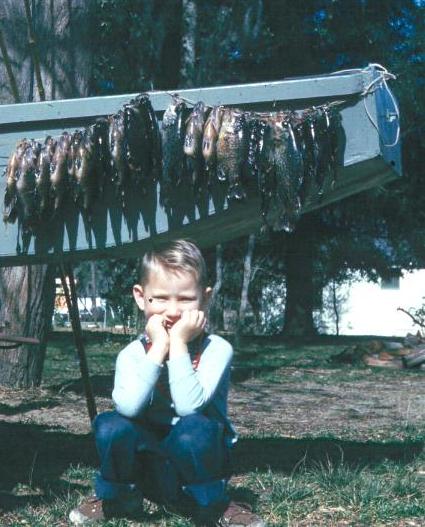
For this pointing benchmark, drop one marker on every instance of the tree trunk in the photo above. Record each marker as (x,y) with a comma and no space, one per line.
(335,306)
(27,293)
(215,312)
(298,320)
(247,266)
(188,56)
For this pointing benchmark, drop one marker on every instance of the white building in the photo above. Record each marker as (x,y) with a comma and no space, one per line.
(371,308)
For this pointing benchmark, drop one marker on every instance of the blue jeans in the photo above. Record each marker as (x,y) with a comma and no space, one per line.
(182,464)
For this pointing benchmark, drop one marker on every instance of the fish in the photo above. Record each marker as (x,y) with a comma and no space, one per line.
(193,146)
(209,139)
(333,121)
(26,187)
(86,180)
(42,175)
(137,142)
(232,152)
(12,174)
(102,156)
(260,138)
(59,175)
(118,149)
(152,136)
(283,156)
(173,159)
(73,160)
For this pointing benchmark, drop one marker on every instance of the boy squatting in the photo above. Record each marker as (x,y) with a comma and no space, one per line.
(169,437)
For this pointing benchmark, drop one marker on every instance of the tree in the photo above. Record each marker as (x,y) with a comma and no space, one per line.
(27,293)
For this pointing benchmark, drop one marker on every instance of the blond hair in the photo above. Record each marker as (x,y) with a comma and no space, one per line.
(177,256)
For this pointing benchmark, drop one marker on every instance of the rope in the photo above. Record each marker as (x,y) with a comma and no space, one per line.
(378,82)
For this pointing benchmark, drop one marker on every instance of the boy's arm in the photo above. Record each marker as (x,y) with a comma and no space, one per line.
(192,390)
(135,377)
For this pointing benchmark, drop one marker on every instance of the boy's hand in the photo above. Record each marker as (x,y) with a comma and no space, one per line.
(190,325)
(155,330)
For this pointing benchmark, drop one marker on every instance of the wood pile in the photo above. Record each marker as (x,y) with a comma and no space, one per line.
(408,353)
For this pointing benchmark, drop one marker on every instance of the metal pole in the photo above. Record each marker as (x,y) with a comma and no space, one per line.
(71,302)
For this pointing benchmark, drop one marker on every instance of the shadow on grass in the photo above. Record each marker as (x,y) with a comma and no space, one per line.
(38,456)
(101,384)
(285,454)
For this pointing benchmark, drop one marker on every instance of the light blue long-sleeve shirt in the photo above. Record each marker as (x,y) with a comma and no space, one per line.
(164,393)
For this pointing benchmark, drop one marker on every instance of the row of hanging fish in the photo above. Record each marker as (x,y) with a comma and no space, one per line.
(123,149)
(284,155)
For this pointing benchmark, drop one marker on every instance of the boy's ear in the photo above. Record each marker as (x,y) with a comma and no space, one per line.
(207,294)
(139,296)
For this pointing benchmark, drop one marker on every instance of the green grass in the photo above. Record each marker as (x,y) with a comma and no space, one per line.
(311,491)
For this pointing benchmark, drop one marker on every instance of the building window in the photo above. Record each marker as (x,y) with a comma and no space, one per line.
(391,282)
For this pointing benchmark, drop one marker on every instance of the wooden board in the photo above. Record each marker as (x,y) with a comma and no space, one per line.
(365,162)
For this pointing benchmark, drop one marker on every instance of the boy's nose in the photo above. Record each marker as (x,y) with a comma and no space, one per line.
(173,309)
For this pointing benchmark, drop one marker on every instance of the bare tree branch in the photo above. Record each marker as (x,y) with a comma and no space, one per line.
(415,320)
(6,59)
(34,52)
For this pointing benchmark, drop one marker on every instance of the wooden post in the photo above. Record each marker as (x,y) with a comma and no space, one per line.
(72,303)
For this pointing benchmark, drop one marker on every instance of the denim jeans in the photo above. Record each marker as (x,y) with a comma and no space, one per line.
(174,465)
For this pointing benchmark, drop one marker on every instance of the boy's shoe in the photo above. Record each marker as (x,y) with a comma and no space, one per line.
(239,515)
(94,509)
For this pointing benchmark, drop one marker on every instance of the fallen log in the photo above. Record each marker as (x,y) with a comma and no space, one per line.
(414,359)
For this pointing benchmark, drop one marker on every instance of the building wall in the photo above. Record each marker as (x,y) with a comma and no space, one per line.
(371,309)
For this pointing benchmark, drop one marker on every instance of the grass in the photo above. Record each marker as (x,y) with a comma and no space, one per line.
(315,489)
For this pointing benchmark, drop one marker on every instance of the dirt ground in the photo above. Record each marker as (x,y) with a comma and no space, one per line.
(294,403)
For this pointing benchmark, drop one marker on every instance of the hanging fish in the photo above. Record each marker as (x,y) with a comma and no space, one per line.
(173,160)
(86,181)
(42,175)
(333,122)
(138,145)
(118,148)
(193,146)
(59,176)
(209,139)
(102,156)
(260,144)
(73,161)
(283,159)
(26,188)
(12,174)
(232,150)
(152,136)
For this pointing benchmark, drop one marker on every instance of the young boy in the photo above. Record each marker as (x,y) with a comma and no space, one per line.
(169,437)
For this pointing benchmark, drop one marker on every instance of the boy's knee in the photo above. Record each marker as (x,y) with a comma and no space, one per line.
(111,426)
(197,431)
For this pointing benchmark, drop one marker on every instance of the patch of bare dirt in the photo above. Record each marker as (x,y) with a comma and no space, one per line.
(300,403)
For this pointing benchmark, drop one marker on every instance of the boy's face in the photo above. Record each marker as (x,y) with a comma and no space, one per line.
(169,294)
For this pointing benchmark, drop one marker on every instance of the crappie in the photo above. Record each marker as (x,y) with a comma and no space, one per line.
(26,188)
(59,177)
(42,175)
(260,137)
(118,148)
(151,136)
(86,181)
(193,146)
(12,173)
(99,137)
(210,136)
(284,159)
(232,152)
(173,159)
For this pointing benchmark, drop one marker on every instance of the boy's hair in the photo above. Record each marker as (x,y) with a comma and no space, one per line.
(176,256)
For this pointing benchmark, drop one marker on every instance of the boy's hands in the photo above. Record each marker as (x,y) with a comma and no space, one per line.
(190,325)
(155,329)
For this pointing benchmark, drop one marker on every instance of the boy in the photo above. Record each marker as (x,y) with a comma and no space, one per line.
(169,437)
